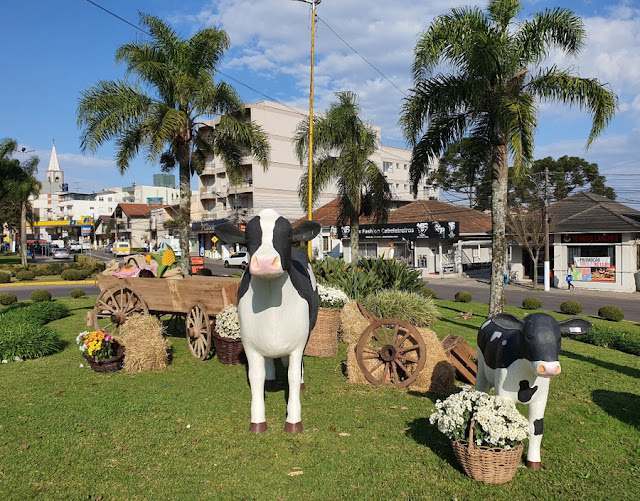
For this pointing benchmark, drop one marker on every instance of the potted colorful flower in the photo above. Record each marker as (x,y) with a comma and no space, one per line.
(486,434)
(323,341)
(226,336)
(101,350)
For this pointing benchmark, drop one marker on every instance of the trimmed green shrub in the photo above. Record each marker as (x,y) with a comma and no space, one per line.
(40,295)
(205,272)
(414,308)
(8,298)
(76,293)
(463,297)
(39,313)
(394,275)
(25,275)
(531,303)
(429,293)
(5,277)
(571,307)
(611,312)
(615,338)
(356,282)
(71,274)
(27,340)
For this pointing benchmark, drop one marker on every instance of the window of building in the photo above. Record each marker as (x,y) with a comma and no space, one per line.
(387,167)
(326,244)
(367,249)
(405,166)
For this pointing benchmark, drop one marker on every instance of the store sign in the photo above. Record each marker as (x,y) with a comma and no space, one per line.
(592,238)
(407,231)
(592,262)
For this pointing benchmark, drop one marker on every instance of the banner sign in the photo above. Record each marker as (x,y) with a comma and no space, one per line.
(408,231)
(592,262)
(592,238)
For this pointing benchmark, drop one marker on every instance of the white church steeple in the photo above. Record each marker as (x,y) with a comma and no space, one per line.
(54,174)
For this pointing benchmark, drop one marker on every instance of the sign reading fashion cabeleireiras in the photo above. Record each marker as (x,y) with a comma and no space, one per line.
(408,231)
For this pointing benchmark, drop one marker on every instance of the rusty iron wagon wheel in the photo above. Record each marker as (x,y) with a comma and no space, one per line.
(198,328)
(114,305)
(391,352)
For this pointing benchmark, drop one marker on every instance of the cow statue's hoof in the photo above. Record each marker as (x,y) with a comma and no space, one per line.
(257,427)
(293,427)
(270,384)
(302,387)
(534,465)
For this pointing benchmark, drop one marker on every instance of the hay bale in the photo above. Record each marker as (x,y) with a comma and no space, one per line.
(352,323)
(146,347)
(113,265)
(437,376)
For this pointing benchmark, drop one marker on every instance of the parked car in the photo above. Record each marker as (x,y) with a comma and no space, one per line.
(174,243)
(86,246)
(62,253)
(122,248)
(75,247)
(237,259)
(109,248)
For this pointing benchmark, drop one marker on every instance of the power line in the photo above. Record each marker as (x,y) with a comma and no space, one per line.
(361,56)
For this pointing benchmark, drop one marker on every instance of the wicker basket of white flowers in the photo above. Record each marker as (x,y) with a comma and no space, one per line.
(226,337)
(323,340)
(486,434)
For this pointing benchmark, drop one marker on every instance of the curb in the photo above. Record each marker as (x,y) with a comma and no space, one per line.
(61,282)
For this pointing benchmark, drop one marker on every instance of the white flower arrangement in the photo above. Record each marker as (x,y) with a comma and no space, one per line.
(498,423)
(331,297)
(227,323)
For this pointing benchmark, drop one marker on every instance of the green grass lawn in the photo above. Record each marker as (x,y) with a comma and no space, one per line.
(69,433)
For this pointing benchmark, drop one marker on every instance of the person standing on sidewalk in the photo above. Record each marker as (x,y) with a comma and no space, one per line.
(570,277)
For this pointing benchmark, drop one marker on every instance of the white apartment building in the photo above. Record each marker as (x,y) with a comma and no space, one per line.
(277,187)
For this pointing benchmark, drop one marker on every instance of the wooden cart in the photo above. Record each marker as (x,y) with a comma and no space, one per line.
(197,299)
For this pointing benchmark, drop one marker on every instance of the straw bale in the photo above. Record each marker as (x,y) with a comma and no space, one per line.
(146,347)
(352,323)
(113,265)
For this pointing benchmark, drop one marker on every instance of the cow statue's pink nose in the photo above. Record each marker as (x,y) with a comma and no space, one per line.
(550,369)
(265,265)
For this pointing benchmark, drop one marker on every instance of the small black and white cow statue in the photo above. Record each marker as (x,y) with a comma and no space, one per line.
(518,358)
(277,306)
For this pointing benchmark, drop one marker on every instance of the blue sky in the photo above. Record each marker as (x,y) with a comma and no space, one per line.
(54,50)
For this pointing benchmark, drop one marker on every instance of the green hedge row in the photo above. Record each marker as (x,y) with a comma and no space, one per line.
(612,337)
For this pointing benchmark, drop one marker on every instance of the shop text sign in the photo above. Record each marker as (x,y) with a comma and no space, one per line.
(408,231)
(592,238)
(592,262)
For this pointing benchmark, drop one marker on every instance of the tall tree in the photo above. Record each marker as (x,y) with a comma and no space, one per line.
(18,183)
(342,147)
(565,175)
(164,114)
(492,93)
(465,167)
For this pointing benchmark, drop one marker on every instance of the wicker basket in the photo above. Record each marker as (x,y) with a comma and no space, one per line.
(229,351)
(112,364)
(323,340)
(490,465)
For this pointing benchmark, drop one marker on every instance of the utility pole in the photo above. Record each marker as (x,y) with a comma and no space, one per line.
(313,4)
(547,270)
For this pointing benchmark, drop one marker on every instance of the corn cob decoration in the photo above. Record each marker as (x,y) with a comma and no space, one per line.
(166,261)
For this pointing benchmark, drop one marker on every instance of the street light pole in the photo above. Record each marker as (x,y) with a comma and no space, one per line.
(546,231)
(313,4)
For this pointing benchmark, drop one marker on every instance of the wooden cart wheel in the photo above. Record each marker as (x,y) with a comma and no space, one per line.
(198,328)
(114,305)
(391,352)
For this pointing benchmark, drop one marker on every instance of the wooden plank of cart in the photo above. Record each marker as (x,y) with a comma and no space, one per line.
(197,299)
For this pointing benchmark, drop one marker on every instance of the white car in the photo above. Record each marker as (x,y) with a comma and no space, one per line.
(86,246)
(240,259)
(75,247)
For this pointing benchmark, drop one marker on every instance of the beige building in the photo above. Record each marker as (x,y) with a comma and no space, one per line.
(277,187)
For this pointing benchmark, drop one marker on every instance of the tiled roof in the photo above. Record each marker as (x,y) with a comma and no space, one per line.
(587,212)
(471,221)
(135,210)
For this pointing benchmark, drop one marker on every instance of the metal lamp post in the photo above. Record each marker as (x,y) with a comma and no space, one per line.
(313,4)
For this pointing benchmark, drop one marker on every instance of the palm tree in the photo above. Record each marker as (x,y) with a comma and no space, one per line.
(19,182)
(164,116)
(492,93)
(342,145)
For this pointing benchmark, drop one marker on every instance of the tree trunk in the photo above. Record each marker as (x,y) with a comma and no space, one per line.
(354,238)
(23,232)
(499,186)
(535,268)
(184,212)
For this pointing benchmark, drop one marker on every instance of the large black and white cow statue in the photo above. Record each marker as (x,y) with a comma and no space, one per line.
(277,305)
(518,358)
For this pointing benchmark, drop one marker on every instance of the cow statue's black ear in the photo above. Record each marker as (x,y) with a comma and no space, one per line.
(575,326)
(507,321)
(305,231)
(230,234)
